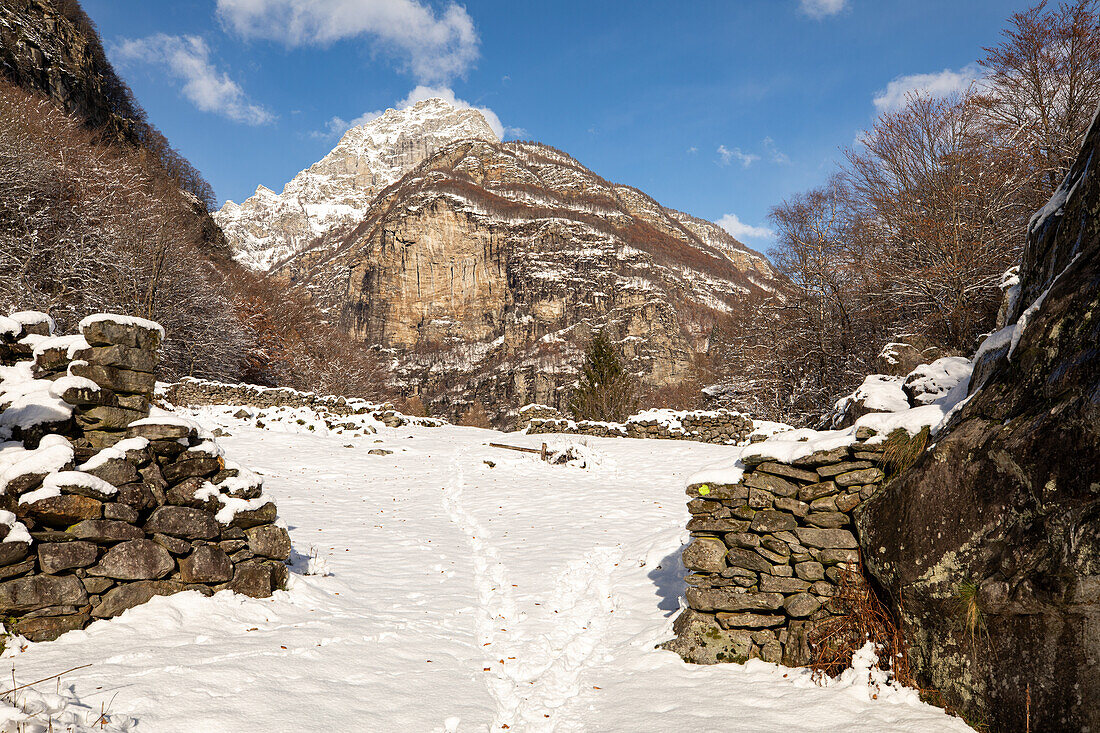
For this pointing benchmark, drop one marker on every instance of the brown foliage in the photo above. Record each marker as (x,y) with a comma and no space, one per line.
(88,225)
(862,618)
(414,406)
(475,416)
(908,241)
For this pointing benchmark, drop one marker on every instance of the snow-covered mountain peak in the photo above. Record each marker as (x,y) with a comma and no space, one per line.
(336,191)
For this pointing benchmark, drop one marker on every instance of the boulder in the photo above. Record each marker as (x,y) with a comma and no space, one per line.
(265,514)
(1002,515)
(123,357)
(48,628)
(701,640)
(102,331)
(194,467)
(117,380)
(159,431)
(105,531)
(254,578)
(703,554)
(63,511)
(13,552)
(116,471)
(108,417)
(128,595)
(732,599)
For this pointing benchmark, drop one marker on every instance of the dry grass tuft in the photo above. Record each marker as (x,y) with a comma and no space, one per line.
(901,450)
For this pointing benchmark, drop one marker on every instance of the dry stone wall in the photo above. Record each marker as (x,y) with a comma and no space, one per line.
(103,505)
(769,553)
(724,427)
(189,392)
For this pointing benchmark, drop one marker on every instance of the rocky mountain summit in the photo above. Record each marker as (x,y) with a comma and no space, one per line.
(333,194)
(487,266)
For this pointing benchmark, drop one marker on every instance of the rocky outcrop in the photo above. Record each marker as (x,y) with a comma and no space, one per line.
(989,547)
(104,505)
(53,48)
(485,270)
(332,195)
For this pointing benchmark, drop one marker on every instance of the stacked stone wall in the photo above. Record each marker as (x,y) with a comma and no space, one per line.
(190,392)
(723,427)
(768,555)
(110,507)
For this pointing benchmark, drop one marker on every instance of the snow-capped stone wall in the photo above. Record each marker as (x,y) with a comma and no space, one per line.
(106,501)
(772,542)
(190,392)
(724,427)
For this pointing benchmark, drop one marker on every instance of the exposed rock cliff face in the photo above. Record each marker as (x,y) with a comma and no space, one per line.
(332,196)
(1002,515)
(489,264)
(52,47)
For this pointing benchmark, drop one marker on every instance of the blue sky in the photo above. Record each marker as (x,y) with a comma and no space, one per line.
(720,108)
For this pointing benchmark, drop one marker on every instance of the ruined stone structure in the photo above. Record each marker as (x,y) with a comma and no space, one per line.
(104,505)
(769,552)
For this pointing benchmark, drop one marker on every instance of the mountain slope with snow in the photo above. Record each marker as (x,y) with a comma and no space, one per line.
(335,192)
(487,267)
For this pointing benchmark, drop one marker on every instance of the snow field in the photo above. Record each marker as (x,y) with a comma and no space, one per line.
(453,596)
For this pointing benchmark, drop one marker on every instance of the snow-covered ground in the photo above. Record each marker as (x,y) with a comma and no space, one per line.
(444,594)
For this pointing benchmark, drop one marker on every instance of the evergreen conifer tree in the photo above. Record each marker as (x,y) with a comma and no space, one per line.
(606,391)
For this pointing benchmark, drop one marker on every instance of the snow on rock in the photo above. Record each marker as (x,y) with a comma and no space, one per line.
(33,711)
(27,403)
(9,327)
(67,344)
(792,445)
(143,323)
(17,462)
(78,479)
(117,451)
(929,382)
(33,318)
(878,393)
(17,531)
(336,191)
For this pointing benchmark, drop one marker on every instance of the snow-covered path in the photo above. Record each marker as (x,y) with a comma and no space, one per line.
(458,597)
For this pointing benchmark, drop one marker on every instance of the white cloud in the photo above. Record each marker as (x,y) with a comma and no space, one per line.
(740,230)
(187,58)
(939,84)
(728,155)
(436,47)
(774,153)
(822,8)
(337,126)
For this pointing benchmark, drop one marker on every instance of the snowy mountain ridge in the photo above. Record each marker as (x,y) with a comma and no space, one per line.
(336,191)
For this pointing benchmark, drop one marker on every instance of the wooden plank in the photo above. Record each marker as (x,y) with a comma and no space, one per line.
(538,451)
